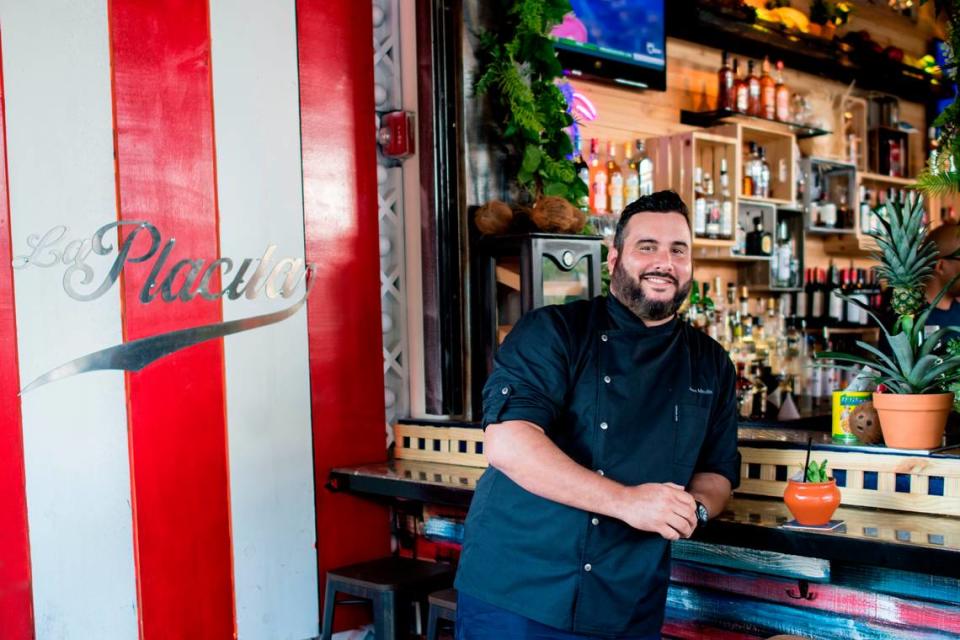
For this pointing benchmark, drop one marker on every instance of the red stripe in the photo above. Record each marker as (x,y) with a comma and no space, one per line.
(163,110)
(16,600)
(340,218)
(843,601)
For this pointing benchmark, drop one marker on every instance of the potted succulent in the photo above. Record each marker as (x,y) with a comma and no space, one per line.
(914,378)
(814,499)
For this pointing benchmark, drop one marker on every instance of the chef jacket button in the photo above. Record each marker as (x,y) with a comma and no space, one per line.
(600,471)
(606,379)
(595,521)
(505,390)
(588,567)
(604,425)
(603,337)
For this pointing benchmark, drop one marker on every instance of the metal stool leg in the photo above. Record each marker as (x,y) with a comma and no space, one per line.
(432,624)
(329,602)
(384,623)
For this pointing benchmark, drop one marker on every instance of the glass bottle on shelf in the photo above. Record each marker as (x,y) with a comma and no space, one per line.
(757,394)
(631,178)
(644,169)
(598,180)
(759,242)
(782,96)
(699,204)
(615,180)
(583,172)
(768,92)
(713,219)
(865,224)
(753,85)
(763,169)
(783,267)
(741,89)
(725,85)
(749,186)
(740,240)
(726,204)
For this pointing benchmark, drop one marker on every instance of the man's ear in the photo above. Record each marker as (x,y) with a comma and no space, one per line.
(612,255)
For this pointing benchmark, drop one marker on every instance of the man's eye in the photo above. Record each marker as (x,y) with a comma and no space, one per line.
(679,251)
(647,247)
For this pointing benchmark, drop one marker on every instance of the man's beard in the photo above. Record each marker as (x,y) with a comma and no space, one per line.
(629,291)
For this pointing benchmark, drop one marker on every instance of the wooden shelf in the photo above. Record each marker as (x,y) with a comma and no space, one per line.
(722,116)
(877,177)
(826,231)
(710,242)
(759,200)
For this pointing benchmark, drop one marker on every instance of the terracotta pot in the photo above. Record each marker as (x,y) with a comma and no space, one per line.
(913,421)
(812,503)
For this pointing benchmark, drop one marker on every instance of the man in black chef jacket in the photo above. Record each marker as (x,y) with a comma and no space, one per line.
(611,429)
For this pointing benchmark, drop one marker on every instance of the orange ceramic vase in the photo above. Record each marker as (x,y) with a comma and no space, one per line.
(913,421)
(812,503)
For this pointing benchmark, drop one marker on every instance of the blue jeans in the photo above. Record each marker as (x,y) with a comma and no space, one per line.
(479,620)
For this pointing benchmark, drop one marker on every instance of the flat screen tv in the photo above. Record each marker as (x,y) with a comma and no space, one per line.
(620,41)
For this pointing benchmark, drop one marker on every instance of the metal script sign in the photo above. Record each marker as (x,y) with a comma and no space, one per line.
(282,279)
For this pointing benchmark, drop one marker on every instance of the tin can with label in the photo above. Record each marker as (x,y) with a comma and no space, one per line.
(844,402)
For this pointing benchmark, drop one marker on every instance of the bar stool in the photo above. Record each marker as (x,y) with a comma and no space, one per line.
(385,582)
(443,606)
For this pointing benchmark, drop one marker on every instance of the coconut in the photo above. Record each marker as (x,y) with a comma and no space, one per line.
(493,218)
(556,215)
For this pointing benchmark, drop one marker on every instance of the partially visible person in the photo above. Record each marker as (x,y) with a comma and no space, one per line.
(947,311)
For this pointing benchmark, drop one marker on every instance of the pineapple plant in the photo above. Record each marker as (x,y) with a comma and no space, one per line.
(906,256)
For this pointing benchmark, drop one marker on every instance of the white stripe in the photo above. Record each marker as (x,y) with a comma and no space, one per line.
(60,157)
(257,127)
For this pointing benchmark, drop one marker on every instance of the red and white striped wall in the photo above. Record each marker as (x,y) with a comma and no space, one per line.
(186,500)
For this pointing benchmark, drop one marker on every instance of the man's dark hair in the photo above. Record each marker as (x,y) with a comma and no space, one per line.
(666,201)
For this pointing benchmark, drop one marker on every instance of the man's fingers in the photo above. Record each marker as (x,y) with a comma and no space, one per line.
(674,486)
(689,518)
(681,524)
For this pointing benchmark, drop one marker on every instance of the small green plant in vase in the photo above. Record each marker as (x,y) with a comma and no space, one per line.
(817,472)
(915,378)
(813,500)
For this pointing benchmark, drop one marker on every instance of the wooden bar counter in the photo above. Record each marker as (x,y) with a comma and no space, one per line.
(884,574)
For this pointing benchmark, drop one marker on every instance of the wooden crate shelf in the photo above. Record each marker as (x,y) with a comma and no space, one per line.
(927,475)
(760,467)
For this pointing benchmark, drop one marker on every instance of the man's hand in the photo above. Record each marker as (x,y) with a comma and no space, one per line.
(666,509)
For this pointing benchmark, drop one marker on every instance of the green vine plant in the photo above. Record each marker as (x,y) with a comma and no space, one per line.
(517,69)
(942,175)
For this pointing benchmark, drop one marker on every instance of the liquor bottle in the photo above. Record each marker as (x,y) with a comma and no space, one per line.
(844,218)
(699,204)
(615,181)
(894,159)
(741,89)
(598,180)
(748,173)
(782,97)
(725,83)
(631,179)
(865,224)
(817,308)
(583,172)
(740,240)
(784,256)
(835,306)
(768,92)
(713,218)
(644,169)
(809,279)
(708,184)
(726,204)
(693,308)
(757,395)
(744,391)
(763,168)
(753,88)
(759,242)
